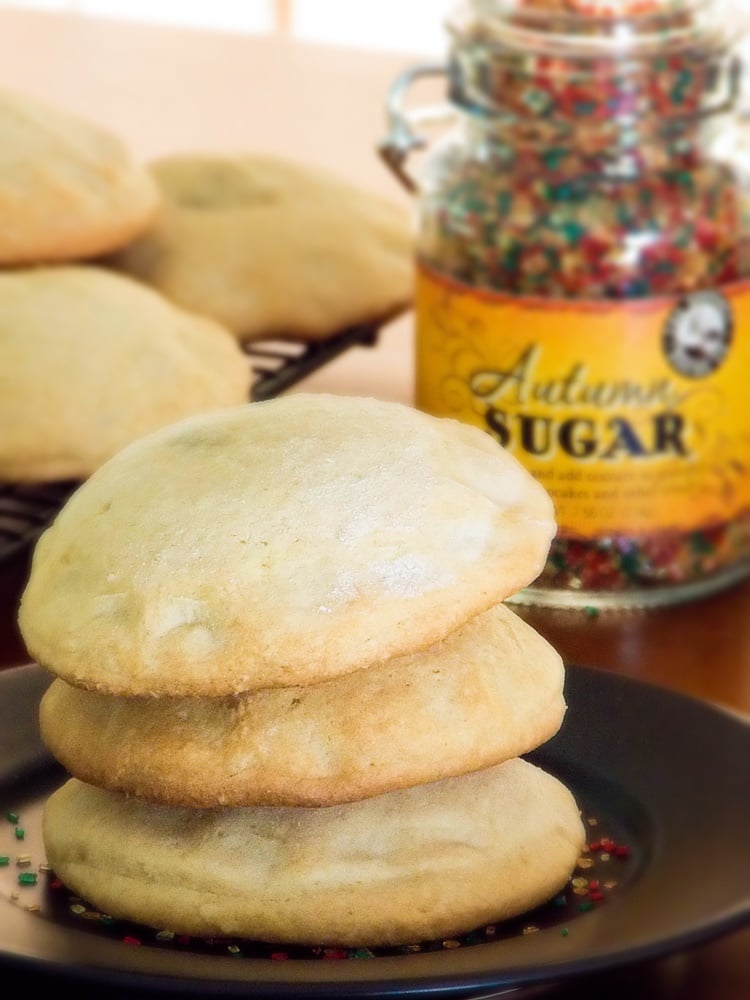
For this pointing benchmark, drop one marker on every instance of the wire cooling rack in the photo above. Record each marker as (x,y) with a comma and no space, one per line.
(27,509)
(278,364)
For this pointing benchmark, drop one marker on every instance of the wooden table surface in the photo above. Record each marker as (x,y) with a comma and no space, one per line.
(166,90)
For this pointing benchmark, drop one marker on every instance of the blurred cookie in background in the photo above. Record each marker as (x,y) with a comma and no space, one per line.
(90,360)
(69,188)
(272,248)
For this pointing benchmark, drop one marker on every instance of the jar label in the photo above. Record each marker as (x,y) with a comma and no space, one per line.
(635,415)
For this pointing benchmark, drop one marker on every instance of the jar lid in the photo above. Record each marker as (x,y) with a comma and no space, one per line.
(596,27)
(617,46)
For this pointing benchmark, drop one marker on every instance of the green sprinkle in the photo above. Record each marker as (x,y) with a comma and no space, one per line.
(27,878)
(700,544)
(572,231)
(639,287)
(20,833)
(553,158)
(630,564)
(682,86)
(4,860)
(590,611)
(535,99)
(12,817)
(624,216)
(474,203)
(585,906)
(504,203)
(564,932)
(563,193)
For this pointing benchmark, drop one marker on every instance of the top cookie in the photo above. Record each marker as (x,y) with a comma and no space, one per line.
(273,248)
(280,543)
(69,188)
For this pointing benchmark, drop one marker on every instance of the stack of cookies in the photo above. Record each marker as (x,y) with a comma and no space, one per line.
(290,699)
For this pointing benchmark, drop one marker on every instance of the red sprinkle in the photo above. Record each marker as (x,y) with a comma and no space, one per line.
(334,953)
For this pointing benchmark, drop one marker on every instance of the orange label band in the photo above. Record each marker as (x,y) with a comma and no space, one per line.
(634,415)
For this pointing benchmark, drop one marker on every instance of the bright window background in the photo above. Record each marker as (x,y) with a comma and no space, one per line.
(395,25)
(406,25)
(415,26)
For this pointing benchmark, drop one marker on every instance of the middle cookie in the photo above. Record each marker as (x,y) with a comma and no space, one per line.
(491,690)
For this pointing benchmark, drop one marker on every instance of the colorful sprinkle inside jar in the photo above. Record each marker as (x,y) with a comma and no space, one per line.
(583,279)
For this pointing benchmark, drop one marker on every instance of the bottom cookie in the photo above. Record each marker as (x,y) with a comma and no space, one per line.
(423,862)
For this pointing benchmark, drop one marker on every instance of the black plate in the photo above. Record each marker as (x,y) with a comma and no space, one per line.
(664,776)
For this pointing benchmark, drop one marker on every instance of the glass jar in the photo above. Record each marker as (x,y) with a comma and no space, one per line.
(583,280)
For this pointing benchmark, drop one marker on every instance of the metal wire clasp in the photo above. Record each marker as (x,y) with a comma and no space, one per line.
(402,137)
